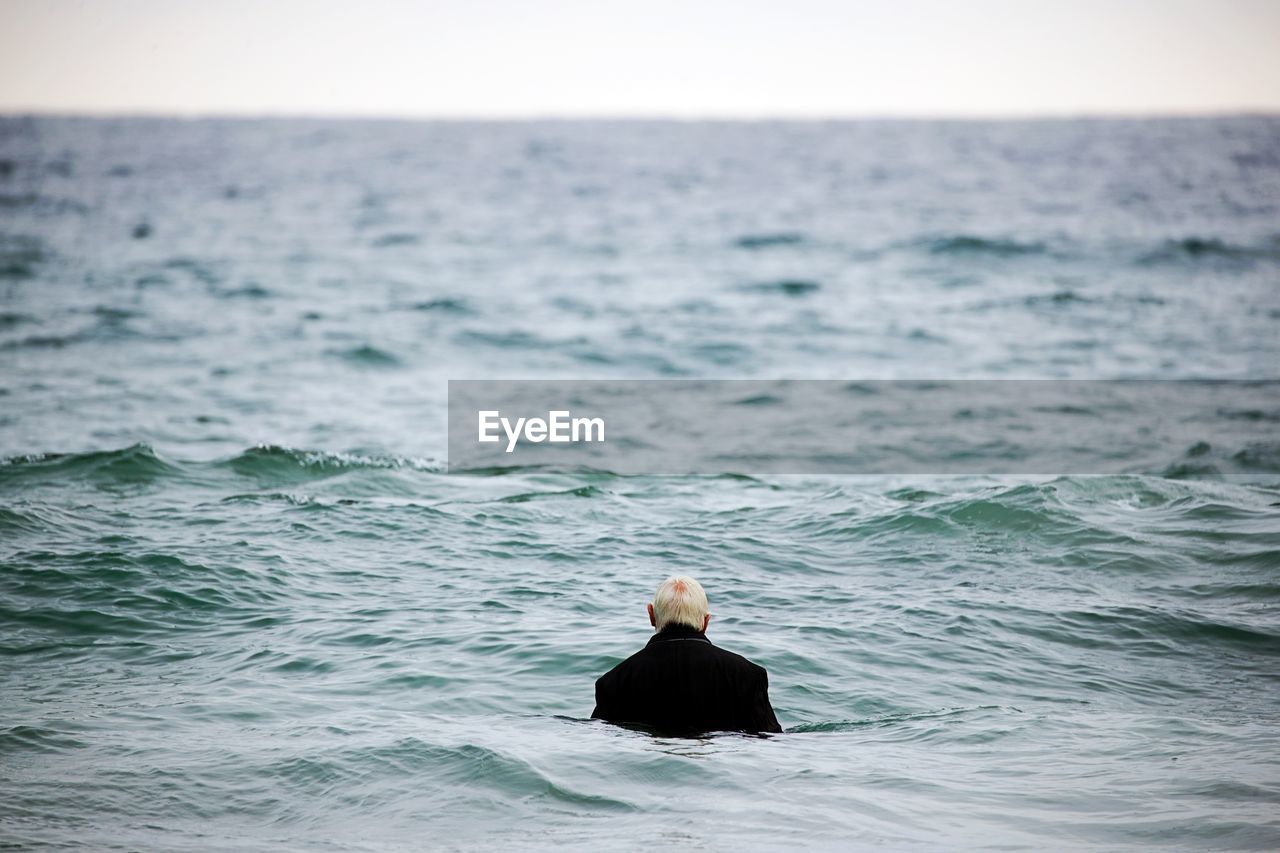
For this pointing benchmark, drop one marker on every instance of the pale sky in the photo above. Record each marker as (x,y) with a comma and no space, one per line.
(684,58)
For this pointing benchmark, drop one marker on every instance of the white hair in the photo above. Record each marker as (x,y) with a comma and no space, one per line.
(680,600)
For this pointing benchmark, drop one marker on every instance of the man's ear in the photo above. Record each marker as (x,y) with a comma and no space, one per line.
(652,619)
(705,621)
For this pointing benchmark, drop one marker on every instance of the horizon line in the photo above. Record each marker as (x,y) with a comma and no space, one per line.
(672,117)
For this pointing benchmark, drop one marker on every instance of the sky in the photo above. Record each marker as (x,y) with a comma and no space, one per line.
(680,58)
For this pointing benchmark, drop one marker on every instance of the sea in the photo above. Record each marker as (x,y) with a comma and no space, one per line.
(246,605)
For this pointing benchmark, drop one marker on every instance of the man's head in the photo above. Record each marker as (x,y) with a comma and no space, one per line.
(680,600)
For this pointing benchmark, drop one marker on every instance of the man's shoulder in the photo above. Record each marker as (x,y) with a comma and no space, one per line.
(742,663)
(622,666)
(726,659)
(653,654)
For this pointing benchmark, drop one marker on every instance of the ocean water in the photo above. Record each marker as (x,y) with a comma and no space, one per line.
(244,607)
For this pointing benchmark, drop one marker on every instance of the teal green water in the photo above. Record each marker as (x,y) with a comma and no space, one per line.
(275,649)
(243,606)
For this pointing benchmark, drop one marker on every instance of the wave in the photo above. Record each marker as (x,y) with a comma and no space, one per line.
(905,718)
(1211,249)
(517,339)
(83,622)
(90,591)
(105,324)
(21,257)
(277,464)
(387,241)
(1186,251)
(786,287)
(445,305)
(580,492)
(140,464)
(9,319)
(457,765)
(1259,456)
(1064,296)
(36,739)
(1152,631)
(969,244)
(135,464)
(1025,510)
(368,356)
(1090,516)
(755,242)
(273,466)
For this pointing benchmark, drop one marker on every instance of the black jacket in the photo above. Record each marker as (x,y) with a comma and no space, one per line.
(680,683)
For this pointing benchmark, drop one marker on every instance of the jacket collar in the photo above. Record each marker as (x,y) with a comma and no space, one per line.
(677,632)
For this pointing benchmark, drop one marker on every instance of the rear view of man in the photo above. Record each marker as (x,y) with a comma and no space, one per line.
(680,683)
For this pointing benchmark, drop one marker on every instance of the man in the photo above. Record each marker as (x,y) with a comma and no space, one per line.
(680,683)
